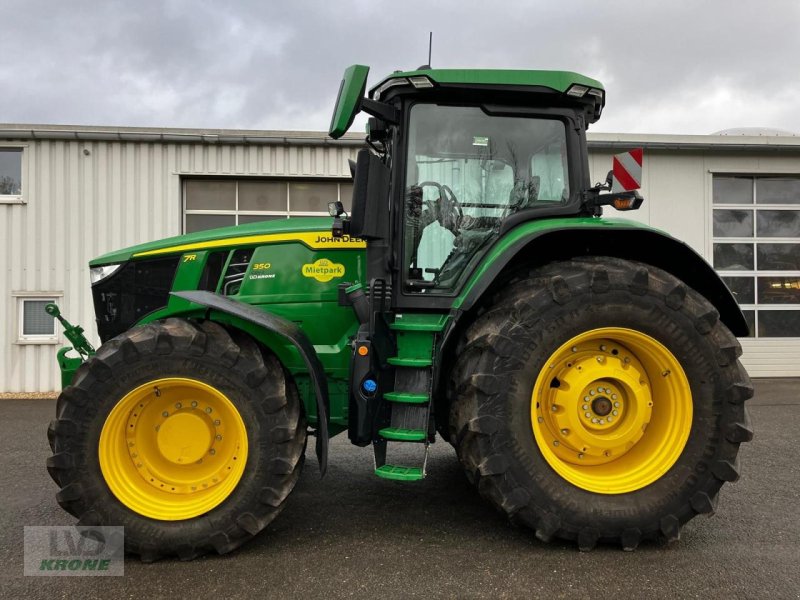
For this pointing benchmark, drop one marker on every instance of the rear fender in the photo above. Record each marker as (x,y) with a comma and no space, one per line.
(621,239)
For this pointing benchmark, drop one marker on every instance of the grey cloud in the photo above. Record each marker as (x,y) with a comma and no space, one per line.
(676,67)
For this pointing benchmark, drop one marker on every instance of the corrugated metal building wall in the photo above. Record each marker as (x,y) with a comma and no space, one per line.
(87,191)
(85,197)
(678,174)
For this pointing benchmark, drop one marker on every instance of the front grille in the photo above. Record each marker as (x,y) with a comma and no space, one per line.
(134,291)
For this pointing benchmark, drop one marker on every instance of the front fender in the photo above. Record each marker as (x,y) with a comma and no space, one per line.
(293,334)
(539,242)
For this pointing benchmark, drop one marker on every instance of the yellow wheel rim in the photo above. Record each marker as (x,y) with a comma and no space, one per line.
(173,449)
(611,410)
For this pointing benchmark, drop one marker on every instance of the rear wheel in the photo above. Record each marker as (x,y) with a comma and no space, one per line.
(187,436)
(600,400)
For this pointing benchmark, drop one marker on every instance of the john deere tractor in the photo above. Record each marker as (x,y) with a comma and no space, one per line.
(584,368)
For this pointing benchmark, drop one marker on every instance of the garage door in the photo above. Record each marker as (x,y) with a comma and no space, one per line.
(212,203)
(756,229)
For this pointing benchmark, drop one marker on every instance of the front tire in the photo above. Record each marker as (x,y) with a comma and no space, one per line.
(189,437)
(659,433)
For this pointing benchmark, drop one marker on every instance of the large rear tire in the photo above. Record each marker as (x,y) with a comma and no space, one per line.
(188,436)
(599,400)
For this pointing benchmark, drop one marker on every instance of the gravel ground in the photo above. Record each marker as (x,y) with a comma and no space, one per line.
(354,535)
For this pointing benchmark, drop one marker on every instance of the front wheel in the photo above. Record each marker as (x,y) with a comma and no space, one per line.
(189,437)
(600,400)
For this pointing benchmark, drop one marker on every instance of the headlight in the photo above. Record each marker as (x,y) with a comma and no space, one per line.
(97,274)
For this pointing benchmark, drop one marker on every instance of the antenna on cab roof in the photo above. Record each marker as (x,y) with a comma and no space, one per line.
(430,46)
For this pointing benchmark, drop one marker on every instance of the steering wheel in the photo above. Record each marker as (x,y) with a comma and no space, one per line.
(449,212)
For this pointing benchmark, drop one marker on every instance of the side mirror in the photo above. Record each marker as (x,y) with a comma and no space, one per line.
(349,99)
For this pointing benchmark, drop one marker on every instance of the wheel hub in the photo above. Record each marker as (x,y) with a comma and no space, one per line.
(184,438)
(601,406)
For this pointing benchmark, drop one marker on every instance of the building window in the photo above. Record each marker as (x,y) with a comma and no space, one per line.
(10,174)
(35,325)
(756,233)
(211,203)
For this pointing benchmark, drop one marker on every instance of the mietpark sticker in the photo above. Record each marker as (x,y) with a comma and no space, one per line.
(323,270)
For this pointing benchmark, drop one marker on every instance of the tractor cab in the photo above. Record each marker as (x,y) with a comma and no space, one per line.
(456,159)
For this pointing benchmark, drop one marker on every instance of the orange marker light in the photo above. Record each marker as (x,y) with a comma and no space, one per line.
(363,350)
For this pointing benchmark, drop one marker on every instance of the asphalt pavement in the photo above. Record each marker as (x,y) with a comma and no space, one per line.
(354,535)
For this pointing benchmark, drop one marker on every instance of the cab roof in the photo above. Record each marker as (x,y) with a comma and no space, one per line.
(350,99)
(559,81)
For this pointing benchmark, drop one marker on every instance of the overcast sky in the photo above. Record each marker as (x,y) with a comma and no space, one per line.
(668,67)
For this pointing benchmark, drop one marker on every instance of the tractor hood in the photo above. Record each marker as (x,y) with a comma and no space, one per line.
(312,231)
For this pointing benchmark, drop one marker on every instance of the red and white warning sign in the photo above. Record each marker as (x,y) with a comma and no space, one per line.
(627,171)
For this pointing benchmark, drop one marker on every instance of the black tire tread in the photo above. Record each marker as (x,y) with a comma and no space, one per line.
(488,349)
(273,397)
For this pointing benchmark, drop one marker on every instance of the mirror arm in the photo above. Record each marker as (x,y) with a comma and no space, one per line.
(594,201)
(381,110)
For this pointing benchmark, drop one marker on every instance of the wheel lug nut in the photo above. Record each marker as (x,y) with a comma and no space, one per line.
(615,412)
(216,422)
(212,452)
(602,422)
(601,390)
(574,348)
(564,431)
(165,414)
(580,455)
(178,405)
(555,442)
(613,396)
(586,398)
(219,438)
(208,410)
(585,407)
(601,359)
(616,404)
(194,403)
(540,419)
(588,415)
(595,420)
(610,419)
(554,408)
(603,347)
(592,392)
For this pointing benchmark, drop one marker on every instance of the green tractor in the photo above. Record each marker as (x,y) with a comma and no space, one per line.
(585,369)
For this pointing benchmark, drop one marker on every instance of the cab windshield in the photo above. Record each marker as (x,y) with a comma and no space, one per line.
(467,172)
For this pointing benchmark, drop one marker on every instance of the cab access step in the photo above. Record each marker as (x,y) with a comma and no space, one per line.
(392,380)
